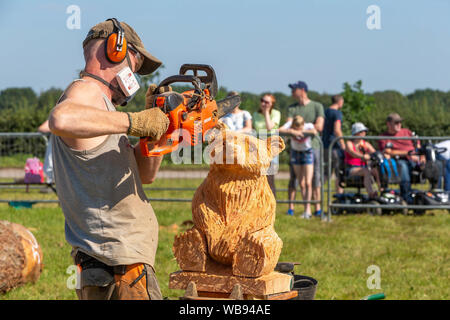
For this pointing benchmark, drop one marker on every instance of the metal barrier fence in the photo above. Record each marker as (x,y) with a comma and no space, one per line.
(34,144)
(331,205)
(22,143)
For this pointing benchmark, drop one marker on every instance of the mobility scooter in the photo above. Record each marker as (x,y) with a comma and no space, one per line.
(431,172)
(388,174)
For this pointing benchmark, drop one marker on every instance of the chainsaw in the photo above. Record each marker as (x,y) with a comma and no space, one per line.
(191,113)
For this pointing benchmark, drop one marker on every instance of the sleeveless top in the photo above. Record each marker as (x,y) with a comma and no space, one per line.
(107,214)
(354,161)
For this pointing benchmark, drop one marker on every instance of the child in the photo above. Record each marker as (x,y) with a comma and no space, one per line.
(302,157)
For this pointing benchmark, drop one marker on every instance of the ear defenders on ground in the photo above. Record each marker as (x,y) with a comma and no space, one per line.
(116,44)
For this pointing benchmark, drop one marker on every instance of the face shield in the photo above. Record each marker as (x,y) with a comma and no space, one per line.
(127,80)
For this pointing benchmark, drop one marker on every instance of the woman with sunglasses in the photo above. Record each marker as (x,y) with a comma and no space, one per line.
(265,121)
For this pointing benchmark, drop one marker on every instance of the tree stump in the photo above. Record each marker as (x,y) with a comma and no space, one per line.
(20,256)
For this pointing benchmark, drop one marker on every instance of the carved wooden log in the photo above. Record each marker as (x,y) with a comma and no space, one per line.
(20,256)
(233,209)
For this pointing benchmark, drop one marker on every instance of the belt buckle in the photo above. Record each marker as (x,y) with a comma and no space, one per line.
(121,269)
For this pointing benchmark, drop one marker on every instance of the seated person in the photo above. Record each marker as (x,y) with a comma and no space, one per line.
(445,158)
(401,151)
(357,152)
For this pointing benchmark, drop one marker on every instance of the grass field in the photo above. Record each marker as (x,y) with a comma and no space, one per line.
(411,252)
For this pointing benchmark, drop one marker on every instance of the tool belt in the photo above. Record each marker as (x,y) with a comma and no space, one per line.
(88,262)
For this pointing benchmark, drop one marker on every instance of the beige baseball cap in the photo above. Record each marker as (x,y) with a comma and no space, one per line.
(105,28)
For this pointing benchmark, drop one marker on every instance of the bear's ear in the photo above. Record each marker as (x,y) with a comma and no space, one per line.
(275,144)
(221,126)
(216,131)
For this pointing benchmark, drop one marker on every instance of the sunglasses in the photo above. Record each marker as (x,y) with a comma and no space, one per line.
(265,101)
(139,58)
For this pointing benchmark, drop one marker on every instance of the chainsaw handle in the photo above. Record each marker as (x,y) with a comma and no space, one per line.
(209,80)
(159,148)
(182,78)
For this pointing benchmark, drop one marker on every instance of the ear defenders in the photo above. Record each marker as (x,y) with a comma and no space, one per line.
(116,44)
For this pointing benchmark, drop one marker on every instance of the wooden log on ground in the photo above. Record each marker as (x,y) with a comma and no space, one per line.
(21,258)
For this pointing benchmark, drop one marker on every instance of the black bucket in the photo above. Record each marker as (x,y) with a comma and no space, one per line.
(306,287)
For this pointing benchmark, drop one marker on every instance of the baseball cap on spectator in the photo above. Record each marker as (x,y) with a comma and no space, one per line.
(394,117)
(105,28)
(299,85)
(358,127)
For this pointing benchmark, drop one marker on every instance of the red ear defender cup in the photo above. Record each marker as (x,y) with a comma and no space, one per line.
(112,54)
(116,44)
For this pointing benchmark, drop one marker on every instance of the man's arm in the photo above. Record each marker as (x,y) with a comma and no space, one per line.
(148,166)
(319,124)
(320,118)
(311,130)
(44,128)
(286,126)
(394,152)
(286,129)
(83,121)
(83,114)
(71,119)
(338,133)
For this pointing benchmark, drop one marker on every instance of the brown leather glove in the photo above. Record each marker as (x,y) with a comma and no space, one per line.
(152,123)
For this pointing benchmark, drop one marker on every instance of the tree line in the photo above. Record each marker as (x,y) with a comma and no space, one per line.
(425,111)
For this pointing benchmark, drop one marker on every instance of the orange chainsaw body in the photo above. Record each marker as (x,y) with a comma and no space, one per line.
(192,113)
(184,124)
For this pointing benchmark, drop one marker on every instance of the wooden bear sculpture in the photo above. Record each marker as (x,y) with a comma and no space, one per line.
(233,209)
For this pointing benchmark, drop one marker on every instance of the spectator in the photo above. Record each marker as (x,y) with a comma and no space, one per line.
(310,111)
(445,158)
(400,150)
(265,121)
(332,128)
(357,152)
(302,158)
(238,120)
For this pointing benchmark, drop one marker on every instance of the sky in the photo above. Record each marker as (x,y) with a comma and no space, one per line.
(253,45)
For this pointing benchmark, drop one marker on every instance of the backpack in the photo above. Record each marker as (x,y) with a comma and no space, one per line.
(34,171)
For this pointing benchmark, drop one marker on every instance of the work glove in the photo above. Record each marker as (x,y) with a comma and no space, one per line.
(151,122)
